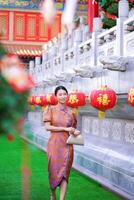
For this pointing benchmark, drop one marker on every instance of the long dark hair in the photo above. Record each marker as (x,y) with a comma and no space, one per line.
(60,88)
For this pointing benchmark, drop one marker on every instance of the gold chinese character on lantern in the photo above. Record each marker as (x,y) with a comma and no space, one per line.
(38,100)
(131,95)
(48,98)
(103,99)
(73,99)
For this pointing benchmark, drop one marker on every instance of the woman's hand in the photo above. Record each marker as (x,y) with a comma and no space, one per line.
(76,132)
(71,130)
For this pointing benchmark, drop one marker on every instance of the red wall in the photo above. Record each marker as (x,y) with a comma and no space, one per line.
(28,26)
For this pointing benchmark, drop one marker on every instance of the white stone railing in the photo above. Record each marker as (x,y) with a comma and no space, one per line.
(73,55)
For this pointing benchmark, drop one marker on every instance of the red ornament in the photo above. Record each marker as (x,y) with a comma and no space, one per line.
(14,72)
(110,16)
(103,99)
(51,99)
(31,100)
(40,100)
(76,99)
(131,96)
(10,137)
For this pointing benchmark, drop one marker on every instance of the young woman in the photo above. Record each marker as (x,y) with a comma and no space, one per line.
(61,122)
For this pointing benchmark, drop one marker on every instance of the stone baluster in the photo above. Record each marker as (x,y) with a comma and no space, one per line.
(123,15)
(59,44)
(31,67)
(77,36)
(32,73)
(84,28)
(37,65)
(37,61)
(86,34)
(44,57)
(53,55)
(44,62)
(77,41)
(64,47)
(48,64)
(96,30)
(70,39)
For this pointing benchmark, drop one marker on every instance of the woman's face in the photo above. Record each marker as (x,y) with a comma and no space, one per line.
(61,96)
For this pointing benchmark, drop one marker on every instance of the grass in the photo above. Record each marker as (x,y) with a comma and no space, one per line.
(11,157)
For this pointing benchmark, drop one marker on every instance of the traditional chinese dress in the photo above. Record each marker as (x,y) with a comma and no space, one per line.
(60,154)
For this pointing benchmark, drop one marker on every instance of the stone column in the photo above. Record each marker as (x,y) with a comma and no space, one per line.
(32,73)
(96,30)
(37,74)
(77,41)
(64,47)
(37,61)
(31,67)
(123,15)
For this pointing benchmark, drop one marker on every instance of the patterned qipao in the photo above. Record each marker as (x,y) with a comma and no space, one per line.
(60,154)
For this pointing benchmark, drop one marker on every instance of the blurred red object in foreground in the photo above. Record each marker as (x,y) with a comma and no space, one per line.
(14,72)
(10,137)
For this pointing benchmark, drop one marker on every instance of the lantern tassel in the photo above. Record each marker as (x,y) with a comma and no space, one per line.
(101,114)
(43,108)
(32,107)
(75,111)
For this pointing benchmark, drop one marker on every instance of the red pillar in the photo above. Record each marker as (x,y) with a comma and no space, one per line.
(93,11)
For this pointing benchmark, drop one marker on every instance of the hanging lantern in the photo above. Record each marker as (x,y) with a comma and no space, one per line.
(75,100)
(131,96)
(15,74)
(41,101)
(103,99)
(31,101)
(51,99)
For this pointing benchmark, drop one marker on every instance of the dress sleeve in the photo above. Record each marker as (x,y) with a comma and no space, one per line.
(47,115)
(74,121)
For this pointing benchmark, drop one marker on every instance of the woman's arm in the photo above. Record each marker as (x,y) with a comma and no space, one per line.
(49,127)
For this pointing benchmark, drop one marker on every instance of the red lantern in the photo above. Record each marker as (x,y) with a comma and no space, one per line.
(51,99)
(40,100)
(103,99)
(131,96)
(76,99)
(31,101)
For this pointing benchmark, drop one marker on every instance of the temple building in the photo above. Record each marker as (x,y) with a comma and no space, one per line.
(24,28)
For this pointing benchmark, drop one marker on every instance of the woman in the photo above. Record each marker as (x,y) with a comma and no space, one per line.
(61,122)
